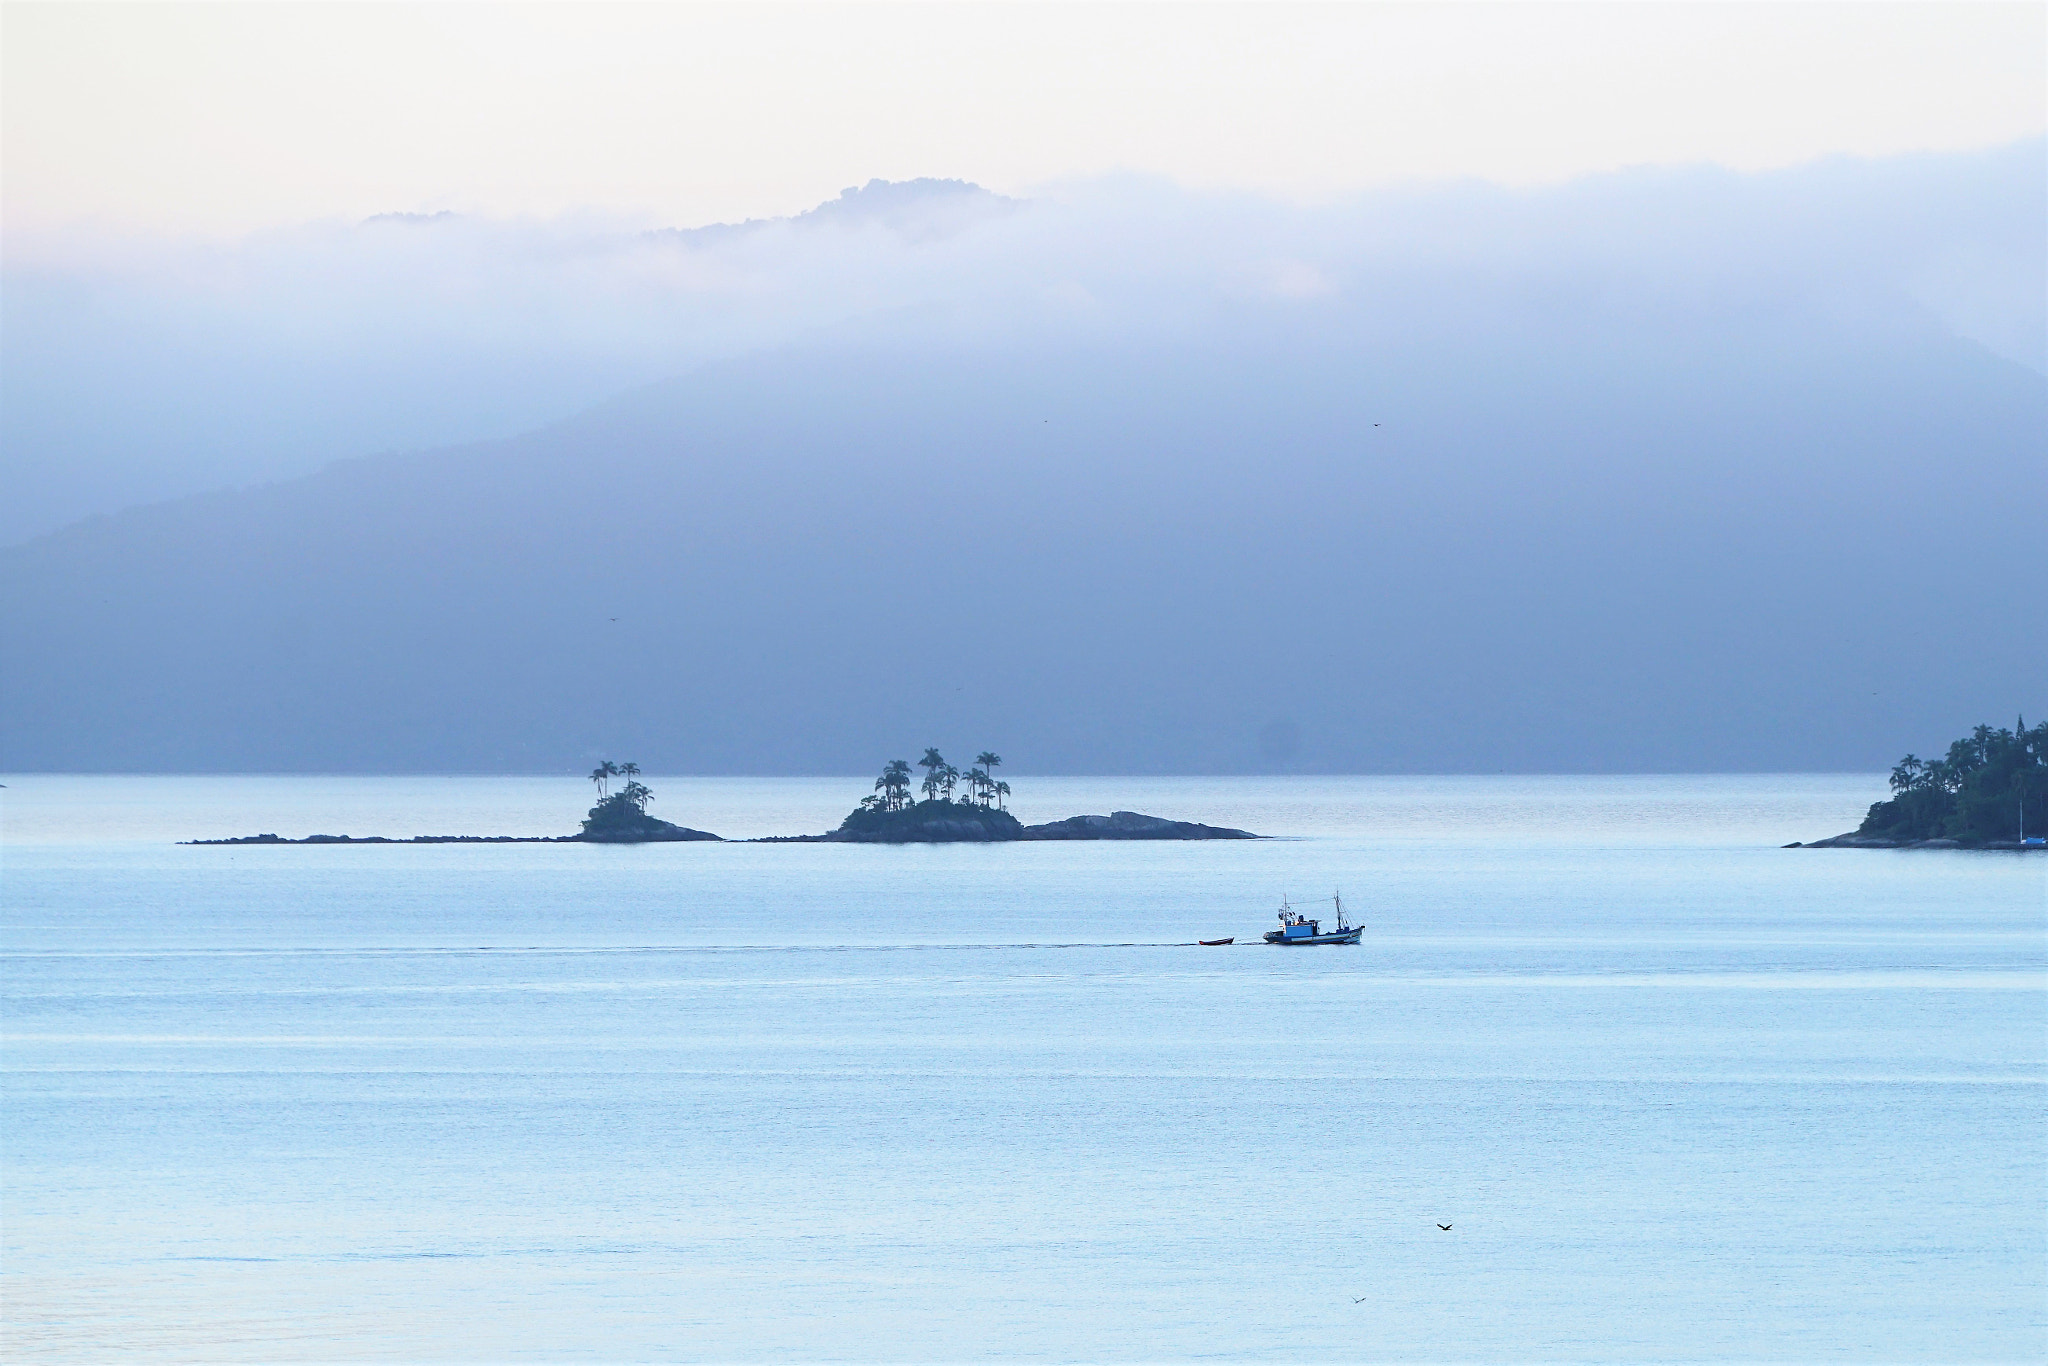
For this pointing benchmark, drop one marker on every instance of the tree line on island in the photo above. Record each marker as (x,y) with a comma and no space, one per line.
(1990,788)
(625,811)
(892,789)
(890,813)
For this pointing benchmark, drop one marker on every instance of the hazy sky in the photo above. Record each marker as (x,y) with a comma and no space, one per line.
(1351,389)
(1658,470)
(220,120)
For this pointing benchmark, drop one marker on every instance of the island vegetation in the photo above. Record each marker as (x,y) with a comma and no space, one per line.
(1978,793)
(889,815)
(1989,791)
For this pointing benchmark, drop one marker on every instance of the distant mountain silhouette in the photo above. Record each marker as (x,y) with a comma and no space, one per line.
(1638,536)
(129,377)
(920,210)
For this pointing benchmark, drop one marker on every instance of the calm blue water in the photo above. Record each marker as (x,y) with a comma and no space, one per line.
(1680,1094)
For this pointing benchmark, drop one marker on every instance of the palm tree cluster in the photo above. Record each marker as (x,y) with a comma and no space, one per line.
(1993,785)
(892,789)
(633,794)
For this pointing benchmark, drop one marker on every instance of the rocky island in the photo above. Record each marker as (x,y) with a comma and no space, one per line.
(888,816)
(1988,792)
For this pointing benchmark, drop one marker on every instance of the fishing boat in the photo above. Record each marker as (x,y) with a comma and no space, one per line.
(1296,928)
(1216,943)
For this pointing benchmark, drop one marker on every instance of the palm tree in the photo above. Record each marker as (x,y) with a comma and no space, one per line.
(602,776)
(894,785)
(1002,791)
(990,761)
(948,776)
(629,771)
(932,764)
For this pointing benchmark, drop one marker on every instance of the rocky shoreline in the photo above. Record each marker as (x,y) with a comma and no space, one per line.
(1852,840)
(675,834)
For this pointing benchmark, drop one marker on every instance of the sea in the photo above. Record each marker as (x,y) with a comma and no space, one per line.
(1611,1077)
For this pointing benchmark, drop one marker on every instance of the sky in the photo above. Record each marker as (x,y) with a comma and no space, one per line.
(222,120)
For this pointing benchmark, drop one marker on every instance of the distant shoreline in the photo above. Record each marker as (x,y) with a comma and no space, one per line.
(406,839)
(1119,825)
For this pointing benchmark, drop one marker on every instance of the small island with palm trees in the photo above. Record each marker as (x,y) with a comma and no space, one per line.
(979,814)
(888,815)
(621,817)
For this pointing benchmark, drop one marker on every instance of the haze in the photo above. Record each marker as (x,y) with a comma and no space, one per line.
(233,118)
(1363,389)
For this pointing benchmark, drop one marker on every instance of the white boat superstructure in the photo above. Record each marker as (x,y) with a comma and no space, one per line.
(1296,928)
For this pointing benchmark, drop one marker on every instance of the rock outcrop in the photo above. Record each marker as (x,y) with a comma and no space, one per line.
(1130,825)
(645,830)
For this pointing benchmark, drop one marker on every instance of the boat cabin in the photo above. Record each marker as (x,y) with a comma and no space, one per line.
(1295,926)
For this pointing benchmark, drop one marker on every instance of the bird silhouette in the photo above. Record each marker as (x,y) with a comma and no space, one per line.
(1361,1299)
(1445,1227)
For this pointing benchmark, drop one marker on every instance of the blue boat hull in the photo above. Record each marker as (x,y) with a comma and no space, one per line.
(1337,937)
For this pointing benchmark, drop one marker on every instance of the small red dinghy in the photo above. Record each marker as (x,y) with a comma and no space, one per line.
(1212,943)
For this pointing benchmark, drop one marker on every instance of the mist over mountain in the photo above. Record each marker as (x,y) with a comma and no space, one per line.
(132,372)
(1656,471)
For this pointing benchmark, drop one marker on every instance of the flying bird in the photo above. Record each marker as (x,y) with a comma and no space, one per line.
(1445,1227)
(1361,1299)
